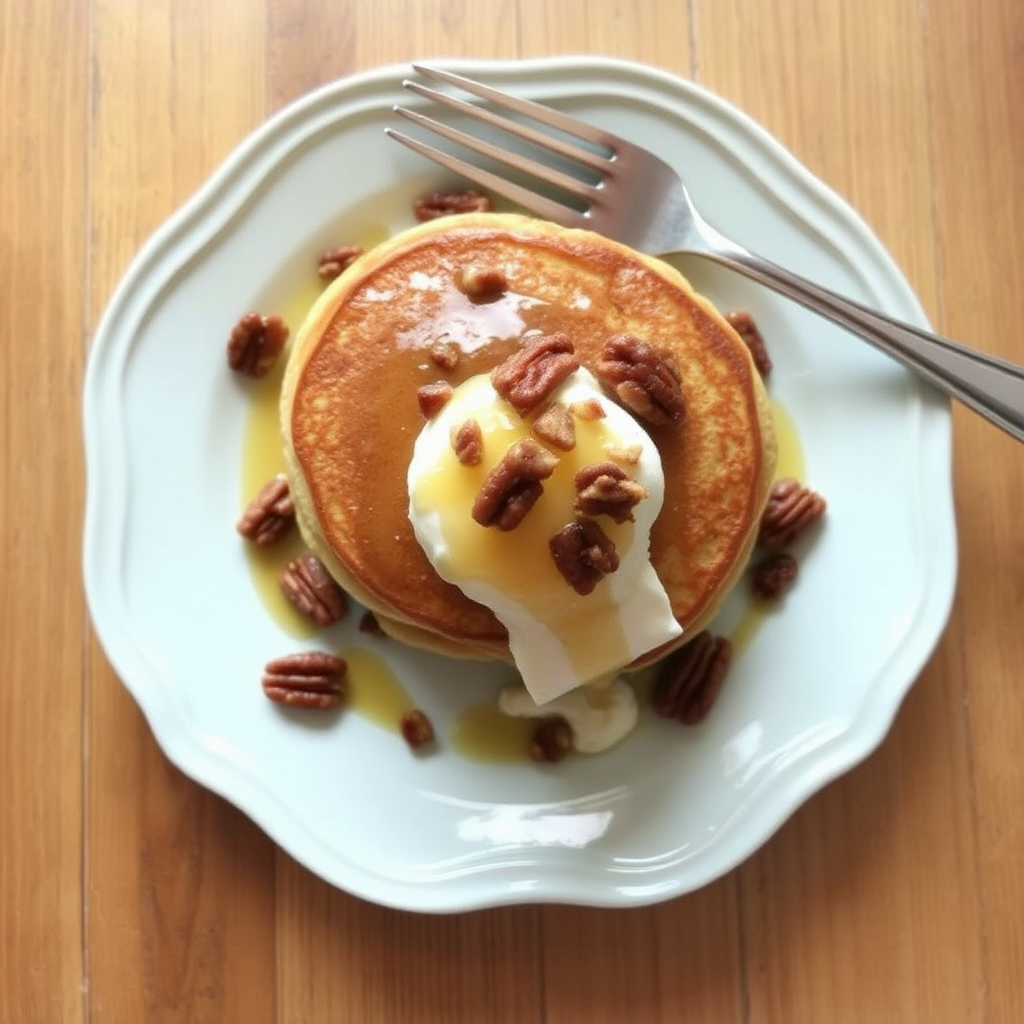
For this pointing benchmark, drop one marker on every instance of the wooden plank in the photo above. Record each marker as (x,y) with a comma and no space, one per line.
(315,41)
(840,911)
(975,62)
(180,887)
(43,59)
(658,32)
(655,963)
(341,958)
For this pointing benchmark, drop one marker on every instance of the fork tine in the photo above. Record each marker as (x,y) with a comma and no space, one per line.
(537,111)
(541,139)
(565,182)
(545,207)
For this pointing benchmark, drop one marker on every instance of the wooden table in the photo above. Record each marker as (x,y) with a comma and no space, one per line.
(129,894)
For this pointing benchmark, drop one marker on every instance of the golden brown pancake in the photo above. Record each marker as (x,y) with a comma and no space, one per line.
(350,413)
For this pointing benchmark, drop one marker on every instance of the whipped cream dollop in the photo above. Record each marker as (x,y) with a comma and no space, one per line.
(599,716)
(559,639)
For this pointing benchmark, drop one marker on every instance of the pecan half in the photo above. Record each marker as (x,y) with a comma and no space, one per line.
(691,678)
(255,343)
(584,554)
(528,376)
(432,398)
(556,426)
(468,443)
(772,577)
(745,326)
(645,382)
(480,282)
(307,679)
(792,509)
(441,204)
(368,624)
(512,488)
(605,489)
(269,515)
(334,261)
(445,354)
(313,591)
(417,729)
(551,740)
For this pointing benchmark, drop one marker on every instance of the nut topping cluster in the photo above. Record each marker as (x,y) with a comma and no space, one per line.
(690,678)
(584,554)
(255,343)
(313,591)
(745,326)
(335,261)
(791,511)
(479,282)
(605,489)
(645,382)
(441,204)
(552,740)
(467,442)
(269,515)
(432,398)
(556,426)
(445,354)
(307,679)
(528,377)
(772,577)
(417,730)
(512,488)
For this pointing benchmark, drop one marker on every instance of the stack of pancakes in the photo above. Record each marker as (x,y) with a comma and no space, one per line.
(396,320)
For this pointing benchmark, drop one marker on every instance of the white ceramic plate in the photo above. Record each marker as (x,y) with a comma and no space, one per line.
(671,808)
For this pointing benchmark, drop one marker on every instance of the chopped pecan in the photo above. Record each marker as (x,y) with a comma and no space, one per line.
(773,576)
(433,398)
(512,488)
(267,517)
(552,740)
(745,326)
(313,591)
(255,343)
(445,354)
(629,455)
(645,382)
(528,376)
(441,204)
(605,489)
(468,443)
(480,282)
(334,261)
(307,679)
(368,624)
(690,679)
(417,729)
(584,554)
(556,426)
(792,509)
(588,410)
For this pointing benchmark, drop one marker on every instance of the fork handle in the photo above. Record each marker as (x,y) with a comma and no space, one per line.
(992,387)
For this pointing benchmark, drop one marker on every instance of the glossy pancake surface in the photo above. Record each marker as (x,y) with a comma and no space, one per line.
(350,414)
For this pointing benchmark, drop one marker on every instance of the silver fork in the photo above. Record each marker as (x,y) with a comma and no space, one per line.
(641,201)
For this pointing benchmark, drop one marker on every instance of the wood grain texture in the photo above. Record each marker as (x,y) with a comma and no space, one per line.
(129,893)
(42,252)
(180,887)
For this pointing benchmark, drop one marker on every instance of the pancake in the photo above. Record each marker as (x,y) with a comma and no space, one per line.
(350,414)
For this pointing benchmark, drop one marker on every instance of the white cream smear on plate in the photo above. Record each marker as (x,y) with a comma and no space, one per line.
(559,639)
